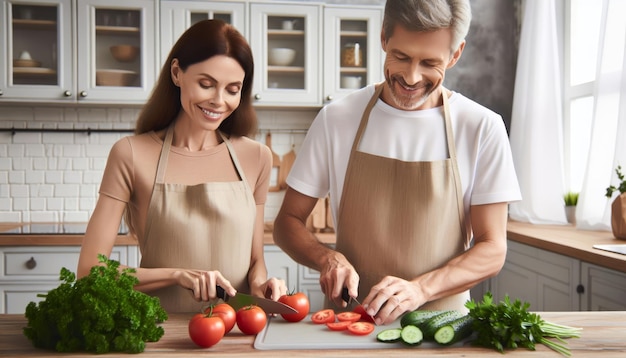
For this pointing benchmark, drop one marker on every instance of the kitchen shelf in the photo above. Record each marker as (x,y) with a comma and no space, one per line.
(285,69)
(34,24)
(117,30)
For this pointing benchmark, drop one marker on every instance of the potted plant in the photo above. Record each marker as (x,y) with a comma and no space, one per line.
(571,199)
(618,208)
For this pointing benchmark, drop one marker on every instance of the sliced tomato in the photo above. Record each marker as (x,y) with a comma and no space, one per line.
(361,328)
(364,316)
(323,316)
(338,326)
(348,316)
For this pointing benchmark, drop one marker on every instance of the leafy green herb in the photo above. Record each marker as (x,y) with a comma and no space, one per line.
(99,313)
(622,185)
(509,325)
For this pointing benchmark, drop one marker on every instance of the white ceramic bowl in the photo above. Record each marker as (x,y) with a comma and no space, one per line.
(281,56)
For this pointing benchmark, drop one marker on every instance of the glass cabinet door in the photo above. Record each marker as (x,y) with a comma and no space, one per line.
(177,16)
(287,54)
(36,56)
(354,55)
(116,50)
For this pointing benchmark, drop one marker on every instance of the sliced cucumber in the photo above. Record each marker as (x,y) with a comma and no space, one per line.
(389,335)
(418,317)
(411,335)
(455,331)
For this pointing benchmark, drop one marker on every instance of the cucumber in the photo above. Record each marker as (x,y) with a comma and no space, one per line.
(411,335)
(442,319)
(455,331)
(418,317)
(389,335)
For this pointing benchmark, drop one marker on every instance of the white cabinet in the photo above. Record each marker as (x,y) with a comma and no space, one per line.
(352,50)
(546,280)
(285,40)
(605,289)
(60,50)
(280,265)
(309,281)
(177,16)
(554,282)
(26,271)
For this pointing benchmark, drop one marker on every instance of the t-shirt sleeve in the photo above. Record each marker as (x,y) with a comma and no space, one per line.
(263,180)
(498,179)
(117,180)
(310,172)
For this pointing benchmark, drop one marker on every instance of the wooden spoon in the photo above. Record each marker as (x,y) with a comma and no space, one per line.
(274,185)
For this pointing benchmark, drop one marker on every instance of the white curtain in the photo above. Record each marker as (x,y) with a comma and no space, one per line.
(536,123)
(536,132)
(608,138)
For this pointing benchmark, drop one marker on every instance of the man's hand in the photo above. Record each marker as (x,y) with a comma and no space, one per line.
(336,274)
(391,298)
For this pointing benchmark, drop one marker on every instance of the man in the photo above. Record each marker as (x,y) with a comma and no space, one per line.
(419,177)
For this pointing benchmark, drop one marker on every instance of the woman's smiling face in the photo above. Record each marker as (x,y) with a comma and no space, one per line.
(210,90)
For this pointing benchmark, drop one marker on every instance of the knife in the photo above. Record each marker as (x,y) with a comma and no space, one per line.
(346,297)
(240,300)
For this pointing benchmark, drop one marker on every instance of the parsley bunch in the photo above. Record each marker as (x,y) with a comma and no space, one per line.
(510,325)
(98,313)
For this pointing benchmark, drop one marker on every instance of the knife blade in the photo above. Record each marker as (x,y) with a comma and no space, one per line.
(346,297)
(241,300)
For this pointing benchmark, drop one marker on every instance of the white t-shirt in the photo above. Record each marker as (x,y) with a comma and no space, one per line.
(482,146)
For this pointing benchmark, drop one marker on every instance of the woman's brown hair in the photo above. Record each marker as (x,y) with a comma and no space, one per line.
(200,42)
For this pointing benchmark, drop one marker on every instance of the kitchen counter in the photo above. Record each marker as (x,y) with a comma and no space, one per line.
(567,240)
(10,239)
(604,334)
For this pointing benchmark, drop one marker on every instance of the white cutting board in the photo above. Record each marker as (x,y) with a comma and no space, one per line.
(279,334)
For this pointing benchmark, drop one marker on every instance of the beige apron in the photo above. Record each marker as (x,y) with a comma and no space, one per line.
(401,218)
(207,226)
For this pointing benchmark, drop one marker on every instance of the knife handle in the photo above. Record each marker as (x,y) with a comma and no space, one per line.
(344,295)
(221,293)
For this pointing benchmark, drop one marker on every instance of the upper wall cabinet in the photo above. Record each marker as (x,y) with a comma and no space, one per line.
(177,16)
(285,40)
(352,51)
(109,58)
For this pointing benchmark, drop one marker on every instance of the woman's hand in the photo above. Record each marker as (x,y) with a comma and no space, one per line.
(202,283)
(273,288)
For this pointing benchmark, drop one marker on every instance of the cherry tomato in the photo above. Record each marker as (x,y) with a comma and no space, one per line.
(323,316)
(226,312)
(338,326)
(348,316)
(206,330)
(251,319)
(300,302)
(361,328)
(364,316)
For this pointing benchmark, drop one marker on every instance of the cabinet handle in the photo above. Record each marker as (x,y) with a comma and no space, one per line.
(580,289)
(67,93)
(1,93)
(329,98)
(257,96)
(31,264)
(83,94)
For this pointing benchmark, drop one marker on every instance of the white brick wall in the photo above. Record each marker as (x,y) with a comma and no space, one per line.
(53,177)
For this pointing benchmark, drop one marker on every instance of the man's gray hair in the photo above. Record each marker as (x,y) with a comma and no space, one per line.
(429,15)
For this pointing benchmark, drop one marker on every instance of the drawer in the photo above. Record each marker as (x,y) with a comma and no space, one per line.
(15,297)
(45,262)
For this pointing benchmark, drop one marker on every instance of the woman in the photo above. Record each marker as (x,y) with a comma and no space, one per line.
(189,183)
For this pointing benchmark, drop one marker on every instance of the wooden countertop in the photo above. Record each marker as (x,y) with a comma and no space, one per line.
(604,334)
(567,240)
(77,239)
(561,239)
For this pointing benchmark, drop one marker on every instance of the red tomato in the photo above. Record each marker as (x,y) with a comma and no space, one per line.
(300,302)
(323,316)
(251,319)
(206,330)
(364,316)
(348,316)
(224,311)
(338,326)
(361,328)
